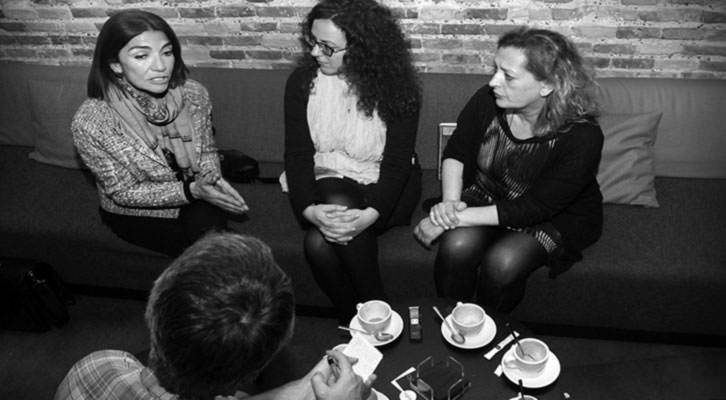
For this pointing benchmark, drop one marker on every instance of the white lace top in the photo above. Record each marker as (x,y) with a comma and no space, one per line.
(347,142)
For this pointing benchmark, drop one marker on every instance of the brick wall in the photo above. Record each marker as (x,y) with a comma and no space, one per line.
(648,38)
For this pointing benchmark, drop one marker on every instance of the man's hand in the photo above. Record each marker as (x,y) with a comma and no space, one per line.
(343,383)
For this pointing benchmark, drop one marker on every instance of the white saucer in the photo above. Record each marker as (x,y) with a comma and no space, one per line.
(483,338)
(549,374)
(394,328)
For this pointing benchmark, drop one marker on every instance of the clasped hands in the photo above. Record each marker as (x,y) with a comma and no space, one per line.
(442,216)
(214,189)
(340,224)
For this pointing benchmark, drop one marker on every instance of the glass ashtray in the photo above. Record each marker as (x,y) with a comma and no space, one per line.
(439,380)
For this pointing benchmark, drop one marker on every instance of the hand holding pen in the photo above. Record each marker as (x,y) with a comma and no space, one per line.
(343,383)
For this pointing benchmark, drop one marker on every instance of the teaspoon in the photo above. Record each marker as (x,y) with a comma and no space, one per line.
(379,335)
(455,335)
(519,345)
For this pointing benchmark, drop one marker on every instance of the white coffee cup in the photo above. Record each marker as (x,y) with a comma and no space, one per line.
(468,318)
(374,315)
(529,357)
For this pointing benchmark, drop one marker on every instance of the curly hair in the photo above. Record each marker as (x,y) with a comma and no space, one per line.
(554,59)
(377,62)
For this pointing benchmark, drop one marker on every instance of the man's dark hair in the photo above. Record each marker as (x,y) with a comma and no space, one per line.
(217,315)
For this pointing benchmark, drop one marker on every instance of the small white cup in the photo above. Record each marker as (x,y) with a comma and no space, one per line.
(529,358)
(468,318)
(374,315)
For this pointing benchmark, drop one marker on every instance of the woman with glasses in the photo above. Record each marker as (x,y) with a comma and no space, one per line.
(145,132)
(519,172)
(351,115)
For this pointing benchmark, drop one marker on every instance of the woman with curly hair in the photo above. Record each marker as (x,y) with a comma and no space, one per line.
(351,116)
(519,186)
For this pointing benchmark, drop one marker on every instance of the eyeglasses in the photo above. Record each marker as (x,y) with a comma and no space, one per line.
(324,48)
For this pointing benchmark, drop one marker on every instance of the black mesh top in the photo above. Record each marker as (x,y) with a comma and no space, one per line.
(535,181)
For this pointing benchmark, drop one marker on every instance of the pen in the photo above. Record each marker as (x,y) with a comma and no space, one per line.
(334,366)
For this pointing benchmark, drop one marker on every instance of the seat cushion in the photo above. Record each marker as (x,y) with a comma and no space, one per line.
(652,269)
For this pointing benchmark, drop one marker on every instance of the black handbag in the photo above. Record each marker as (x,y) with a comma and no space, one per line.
(33,296)
(238,167)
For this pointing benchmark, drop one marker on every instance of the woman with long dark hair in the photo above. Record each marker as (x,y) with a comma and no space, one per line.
(145,132)
(351,116)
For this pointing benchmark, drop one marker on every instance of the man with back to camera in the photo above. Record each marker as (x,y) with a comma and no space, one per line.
(217,315)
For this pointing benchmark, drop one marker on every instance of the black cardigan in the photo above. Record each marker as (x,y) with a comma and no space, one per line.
(566,192)
(299,153)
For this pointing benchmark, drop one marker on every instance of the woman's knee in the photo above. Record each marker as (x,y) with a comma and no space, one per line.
(504,265)
(461,245)
(314,242)
(339,191)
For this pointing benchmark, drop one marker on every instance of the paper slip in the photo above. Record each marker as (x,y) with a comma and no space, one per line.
(491,353)
(368,356)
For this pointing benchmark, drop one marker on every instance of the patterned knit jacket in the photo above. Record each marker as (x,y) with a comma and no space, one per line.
(131,178)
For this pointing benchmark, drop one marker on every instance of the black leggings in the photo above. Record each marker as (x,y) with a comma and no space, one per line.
(348,274)
(491,262)
(167,235)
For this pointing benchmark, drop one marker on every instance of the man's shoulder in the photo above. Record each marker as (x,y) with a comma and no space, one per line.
(105,374)
(110,359)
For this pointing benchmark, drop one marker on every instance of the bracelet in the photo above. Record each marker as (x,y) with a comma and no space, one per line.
(187,185)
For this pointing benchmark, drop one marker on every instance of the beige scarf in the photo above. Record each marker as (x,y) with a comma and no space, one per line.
(165,120)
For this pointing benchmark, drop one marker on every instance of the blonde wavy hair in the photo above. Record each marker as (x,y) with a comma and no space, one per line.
(554,59)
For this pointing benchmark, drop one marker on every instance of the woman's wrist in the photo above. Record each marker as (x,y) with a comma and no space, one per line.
(308,213)
(186,186)
(372,213)
(190,188)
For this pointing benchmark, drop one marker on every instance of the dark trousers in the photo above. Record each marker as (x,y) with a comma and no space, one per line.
(491,262)
(167,235)
(348,274)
